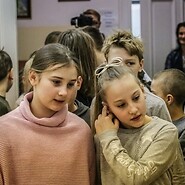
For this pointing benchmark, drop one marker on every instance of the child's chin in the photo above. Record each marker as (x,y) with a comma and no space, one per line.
(57,108)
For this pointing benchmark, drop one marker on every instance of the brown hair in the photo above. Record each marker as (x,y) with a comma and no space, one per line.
(82,45)
(124,39)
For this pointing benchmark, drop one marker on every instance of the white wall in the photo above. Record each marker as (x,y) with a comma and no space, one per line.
(158,25)
(49,15)
(53,13)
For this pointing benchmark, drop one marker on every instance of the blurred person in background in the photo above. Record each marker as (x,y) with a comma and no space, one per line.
(176,58)
(6,80)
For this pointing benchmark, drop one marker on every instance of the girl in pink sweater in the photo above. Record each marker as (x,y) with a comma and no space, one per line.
(40,141)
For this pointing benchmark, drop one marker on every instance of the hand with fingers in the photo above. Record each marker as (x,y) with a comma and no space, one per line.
(106,121)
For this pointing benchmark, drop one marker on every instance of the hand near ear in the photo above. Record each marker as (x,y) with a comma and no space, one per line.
(106,122)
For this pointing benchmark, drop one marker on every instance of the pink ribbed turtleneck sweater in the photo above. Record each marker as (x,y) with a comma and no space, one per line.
(47,151)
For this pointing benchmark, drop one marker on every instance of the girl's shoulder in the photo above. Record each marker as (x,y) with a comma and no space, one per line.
(77,121)
(159,124)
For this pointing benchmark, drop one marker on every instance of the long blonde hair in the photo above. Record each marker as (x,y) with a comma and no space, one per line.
(107,73)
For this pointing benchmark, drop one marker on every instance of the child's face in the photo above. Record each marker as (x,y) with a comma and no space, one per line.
(52,89)
(126,100)
(131,61)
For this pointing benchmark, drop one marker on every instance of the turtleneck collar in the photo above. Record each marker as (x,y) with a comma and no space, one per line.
(57,120)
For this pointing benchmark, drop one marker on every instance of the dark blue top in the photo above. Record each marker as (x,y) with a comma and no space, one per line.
(174,60)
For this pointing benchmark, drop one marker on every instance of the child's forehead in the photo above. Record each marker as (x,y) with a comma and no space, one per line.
(61,72)
(121,88)
(121,52)
(122,80)
(60,66)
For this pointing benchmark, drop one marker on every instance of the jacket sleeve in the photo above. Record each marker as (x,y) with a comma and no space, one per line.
(168,62)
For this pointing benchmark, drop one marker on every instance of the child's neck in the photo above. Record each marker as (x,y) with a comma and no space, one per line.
(73,107)
(176,113)
(147,119)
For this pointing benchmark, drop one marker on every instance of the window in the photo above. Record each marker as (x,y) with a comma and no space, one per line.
(136,18)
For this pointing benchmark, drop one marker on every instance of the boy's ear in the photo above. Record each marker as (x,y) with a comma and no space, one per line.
(10,74)
(79,82)
(33,78)
(141,64)
(169,99)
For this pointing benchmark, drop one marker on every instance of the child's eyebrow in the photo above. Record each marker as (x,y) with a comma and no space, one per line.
(61,78)
(136,92)
(127,59)
(119,101)
(73,80)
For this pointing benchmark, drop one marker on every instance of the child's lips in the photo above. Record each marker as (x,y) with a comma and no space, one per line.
(136,118)
(60,101)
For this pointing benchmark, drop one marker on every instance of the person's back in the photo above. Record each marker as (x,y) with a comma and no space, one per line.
(52,37)
(98,39)
(82,45)
(169,84)
(6,81)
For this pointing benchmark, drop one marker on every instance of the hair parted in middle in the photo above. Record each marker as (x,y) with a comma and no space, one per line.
(53,56)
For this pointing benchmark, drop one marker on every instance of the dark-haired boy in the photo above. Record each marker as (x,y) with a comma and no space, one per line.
(6,81)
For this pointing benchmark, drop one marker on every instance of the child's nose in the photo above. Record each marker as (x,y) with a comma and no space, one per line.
(62,91)
(132,109)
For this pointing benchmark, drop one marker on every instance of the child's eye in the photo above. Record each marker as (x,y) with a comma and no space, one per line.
(136,98)
(121,105)
(56,82)
(70,85)
(130,63)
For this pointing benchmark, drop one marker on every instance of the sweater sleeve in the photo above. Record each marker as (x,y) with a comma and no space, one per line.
(150,166)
